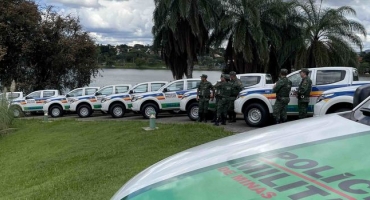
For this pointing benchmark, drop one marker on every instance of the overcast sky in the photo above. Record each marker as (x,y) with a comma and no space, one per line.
(130,21)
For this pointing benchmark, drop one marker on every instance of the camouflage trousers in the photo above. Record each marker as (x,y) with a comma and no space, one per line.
(222,107)
(203,104)
(280,108)
(302,109)
(231,104)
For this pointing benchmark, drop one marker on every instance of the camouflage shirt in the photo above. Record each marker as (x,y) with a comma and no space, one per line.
(236,87)
(282,87)
(204,89)
(217,88)
(225,89)
(304,89)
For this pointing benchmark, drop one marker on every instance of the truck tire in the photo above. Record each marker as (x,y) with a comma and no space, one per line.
(17,111)
(148,108)
(256,115)
(56,111)
(84,111)
(193,111)
(117,110)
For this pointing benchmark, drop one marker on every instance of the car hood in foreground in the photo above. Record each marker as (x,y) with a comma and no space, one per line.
(307,159)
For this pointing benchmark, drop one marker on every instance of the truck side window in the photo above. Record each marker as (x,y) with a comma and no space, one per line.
(193,84)
(269,79)
(35,95)
(176,86)
(296,79)
(90,91)
(250,80)
(325,77)
(76,93)
(49,93)
(355,75)
(121,89)
(141,88)
(107,91)
(156,86)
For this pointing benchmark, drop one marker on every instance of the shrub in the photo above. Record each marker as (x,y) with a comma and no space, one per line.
(6,114)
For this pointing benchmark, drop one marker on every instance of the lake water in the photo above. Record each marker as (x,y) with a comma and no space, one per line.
(135,76)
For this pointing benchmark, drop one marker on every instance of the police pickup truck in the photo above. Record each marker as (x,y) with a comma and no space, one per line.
(117,104)
(57,106)
(33,102)
(253,80)
(165,99)
(85,105)
(257,103)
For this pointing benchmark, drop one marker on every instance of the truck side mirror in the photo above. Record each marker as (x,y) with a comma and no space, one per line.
(361,94)
(365,111)
(29,97)
(165,90)
(97,94)
(131,92)
(68,95)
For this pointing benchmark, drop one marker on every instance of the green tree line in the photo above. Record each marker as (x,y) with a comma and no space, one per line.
(260,35)
(41,49)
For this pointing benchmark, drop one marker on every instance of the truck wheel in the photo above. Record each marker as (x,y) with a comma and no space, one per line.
(117,110)
(56,111)
(256,115)
(84,111)
(148,108)
(193,111)
(17,111)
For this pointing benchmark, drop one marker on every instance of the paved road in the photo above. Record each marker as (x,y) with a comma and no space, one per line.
(238,127)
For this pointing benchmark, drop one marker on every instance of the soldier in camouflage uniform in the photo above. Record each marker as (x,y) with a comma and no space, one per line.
(237,86)
(303,93)
(217,90)
(203,96)
(282,89)
(223,102)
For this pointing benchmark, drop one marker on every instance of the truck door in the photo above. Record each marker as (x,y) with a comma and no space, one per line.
(171,100)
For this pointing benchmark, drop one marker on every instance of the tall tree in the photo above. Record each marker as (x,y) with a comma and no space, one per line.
(181,31)
(329,35)
(252,27)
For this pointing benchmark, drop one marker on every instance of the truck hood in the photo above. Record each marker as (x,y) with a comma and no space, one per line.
(265,90)
(173,172)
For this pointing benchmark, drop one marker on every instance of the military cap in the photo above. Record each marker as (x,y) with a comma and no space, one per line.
(305,70)
(284,71)
(204,76)
(232,73)
(227,76)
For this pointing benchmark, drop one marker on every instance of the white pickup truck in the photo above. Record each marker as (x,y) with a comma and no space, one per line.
(117,104)
(189,103)
(165,99)
(33,102)
(85,105)
(257,103)
(57,106)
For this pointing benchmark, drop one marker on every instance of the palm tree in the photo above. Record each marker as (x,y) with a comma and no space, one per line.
(181,31)
(328,35)
(251,27)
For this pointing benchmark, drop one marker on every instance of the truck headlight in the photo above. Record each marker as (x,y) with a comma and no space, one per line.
(323,97)
(47,101)
(136,98)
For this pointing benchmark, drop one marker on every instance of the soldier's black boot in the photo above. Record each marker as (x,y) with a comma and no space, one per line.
(230,117)
(234,117)
(200,117)
(277,121)
(223,120)
(214,118)
(217,122)
(205,117)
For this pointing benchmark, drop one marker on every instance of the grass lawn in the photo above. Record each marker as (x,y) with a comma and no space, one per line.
(87,160)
